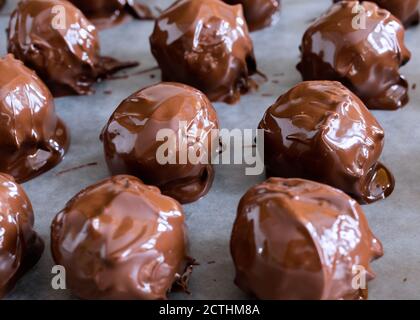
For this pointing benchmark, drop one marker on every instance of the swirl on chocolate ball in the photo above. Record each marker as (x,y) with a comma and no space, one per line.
(20,246)
(298,239)
(319,130)
(405,10)
(259,13)
(120,239)
(205,44)
(131,142)
(32,138)
(364,54)
(55,39)
(106,13)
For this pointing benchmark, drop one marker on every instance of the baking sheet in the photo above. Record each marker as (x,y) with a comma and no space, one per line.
(396,221)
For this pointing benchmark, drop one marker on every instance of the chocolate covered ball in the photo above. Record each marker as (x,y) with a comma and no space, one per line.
(205,44)
(120,239)
(364,51)
(132,144)
(32,138)
(20,246)
(405,10)
(259,13)
(297,239)
(55,39)
(319,130)
(105,13)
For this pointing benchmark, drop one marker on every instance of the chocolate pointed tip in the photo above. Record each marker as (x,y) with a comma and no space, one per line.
(380,185)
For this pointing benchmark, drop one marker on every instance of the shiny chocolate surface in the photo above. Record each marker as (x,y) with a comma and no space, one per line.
(56,40)
(131,145)
(365,54)
(319,130)
(205,44)
(32,137)
(405,10)
(298,239)
(120,239)
(259,13)
(20,246)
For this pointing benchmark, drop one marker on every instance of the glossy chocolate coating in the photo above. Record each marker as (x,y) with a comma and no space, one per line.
(321,131)
(205,44)
(258,13)
(20,246)
(120,239)
(105,13)
(298,239)
(32,138)
(367,61)
(130,138)
(405,10)
(64,52)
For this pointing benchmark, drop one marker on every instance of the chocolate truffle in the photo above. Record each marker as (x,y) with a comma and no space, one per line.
(32,138)
(105,13)
(365,58)
(259,13)
(205,44)
(20,246)
(55,39)
(131,143)
(321,131)
(405,10)
(120,239)
(298,239)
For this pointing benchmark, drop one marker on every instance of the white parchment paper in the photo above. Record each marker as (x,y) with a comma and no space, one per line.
(396,221)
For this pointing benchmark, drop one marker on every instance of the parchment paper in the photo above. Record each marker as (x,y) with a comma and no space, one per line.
(396,221)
